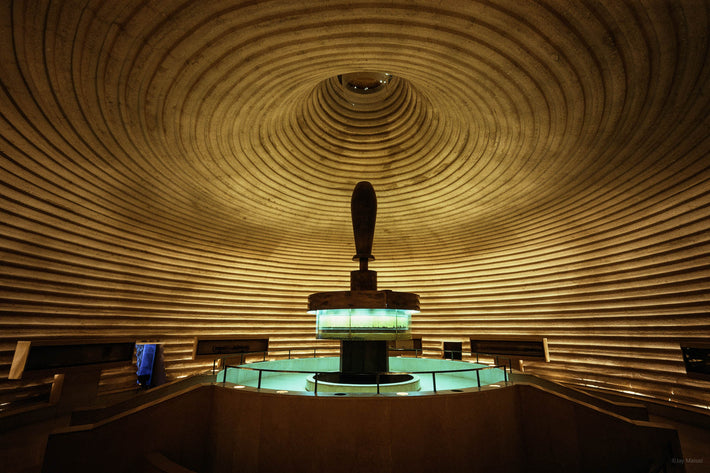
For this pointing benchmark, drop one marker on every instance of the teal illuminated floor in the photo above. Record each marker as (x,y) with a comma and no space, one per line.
(297,381)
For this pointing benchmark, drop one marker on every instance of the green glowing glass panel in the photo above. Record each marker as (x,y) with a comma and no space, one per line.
(364,324)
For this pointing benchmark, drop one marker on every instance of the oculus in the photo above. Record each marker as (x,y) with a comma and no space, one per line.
(364,83)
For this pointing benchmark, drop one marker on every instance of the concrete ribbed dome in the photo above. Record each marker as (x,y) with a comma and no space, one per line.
(173,169)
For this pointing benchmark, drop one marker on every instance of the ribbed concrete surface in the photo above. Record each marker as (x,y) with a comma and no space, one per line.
(171,169)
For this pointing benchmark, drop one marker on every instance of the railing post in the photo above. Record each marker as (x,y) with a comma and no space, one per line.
(505,374)
(315,389)
(224,379)
(377,380)
(478,378)
(433,379)
(258,384)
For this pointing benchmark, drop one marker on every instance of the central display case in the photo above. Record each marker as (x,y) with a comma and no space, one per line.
(363,318)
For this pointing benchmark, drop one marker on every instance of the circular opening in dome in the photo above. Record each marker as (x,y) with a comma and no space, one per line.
(364,82)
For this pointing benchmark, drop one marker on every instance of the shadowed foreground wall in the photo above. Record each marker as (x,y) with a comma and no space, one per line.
(220,430)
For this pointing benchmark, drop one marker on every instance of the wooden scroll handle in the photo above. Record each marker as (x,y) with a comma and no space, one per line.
(363,208)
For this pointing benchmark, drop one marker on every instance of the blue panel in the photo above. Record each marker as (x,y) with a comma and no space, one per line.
(145,359)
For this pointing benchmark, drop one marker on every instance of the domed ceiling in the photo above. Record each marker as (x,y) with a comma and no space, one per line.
(181,168)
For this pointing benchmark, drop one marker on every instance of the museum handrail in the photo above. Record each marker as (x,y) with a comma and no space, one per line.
(290,351)
(433,373)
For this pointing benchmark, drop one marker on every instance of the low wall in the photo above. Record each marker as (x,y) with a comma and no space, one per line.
(512,429)
(177,425)
(468,432)
(625,408)
(562,434)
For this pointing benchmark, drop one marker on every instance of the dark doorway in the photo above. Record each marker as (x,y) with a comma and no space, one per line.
(453,350)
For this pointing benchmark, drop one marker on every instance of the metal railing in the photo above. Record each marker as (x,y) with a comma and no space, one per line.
(263,353)
(417,351)
(433,373)
(496,357)
(313,353)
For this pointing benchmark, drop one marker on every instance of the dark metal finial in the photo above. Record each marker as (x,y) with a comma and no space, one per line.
(363,208)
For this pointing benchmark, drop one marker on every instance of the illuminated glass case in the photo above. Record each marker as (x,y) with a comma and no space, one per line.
(364,324)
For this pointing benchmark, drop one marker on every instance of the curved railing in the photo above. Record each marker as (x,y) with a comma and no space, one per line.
(226,366)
